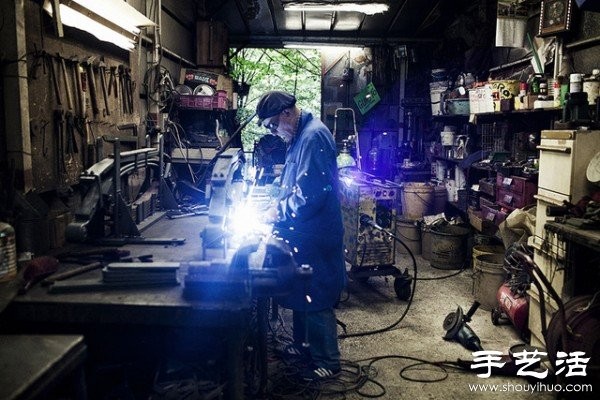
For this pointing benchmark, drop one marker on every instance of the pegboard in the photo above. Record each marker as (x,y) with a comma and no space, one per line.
(65,123)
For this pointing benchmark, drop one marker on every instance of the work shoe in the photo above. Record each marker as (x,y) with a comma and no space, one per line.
(315,373)
(291,350)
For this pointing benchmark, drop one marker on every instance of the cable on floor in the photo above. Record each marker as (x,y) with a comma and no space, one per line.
(409,301)
(461,270)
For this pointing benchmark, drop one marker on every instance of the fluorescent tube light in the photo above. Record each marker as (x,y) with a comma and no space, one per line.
(365,8)
(111,21)
(319,46)
(116,11)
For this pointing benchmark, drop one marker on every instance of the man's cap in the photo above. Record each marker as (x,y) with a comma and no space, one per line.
(272,103)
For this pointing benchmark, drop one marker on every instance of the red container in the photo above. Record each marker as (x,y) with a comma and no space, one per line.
(196,102)
(219,100)
(515,308)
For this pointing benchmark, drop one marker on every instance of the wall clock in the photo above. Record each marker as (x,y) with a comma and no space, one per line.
(555,17)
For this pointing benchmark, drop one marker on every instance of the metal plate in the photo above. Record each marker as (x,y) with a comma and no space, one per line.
(183,90)
(204,90)
(593,170)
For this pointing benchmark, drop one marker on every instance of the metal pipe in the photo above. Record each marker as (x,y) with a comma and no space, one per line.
(269,40)
(584,42)
(168,53)
(511,64)
(557,58)
(116,186)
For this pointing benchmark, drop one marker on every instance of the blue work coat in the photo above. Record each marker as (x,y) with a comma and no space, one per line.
(310,216)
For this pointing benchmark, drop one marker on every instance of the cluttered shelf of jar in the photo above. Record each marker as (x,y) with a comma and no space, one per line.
(472,117)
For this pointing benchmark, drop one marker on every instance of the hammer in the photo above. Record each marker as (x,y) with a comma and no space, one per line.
(92,82)
(79,95)
(63,68)
(102,71)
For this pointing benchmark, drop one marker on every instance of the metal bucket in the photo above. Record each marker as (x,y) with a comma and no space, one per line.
(426,242)
(487,249)
(488,276)
(440,198)
(449,247)
(409,233)
(417,200)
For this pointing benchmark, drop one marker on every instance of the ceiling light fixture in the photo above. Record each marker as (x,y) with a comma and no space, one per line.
(112,21)
(365,8)
(319,46)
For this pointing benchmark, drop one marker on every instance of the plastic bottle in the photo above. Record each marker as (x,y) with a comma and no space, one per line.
(8,253)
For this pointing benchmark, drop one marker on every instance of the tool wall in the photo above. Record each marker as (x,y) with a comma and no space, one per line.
(78,95)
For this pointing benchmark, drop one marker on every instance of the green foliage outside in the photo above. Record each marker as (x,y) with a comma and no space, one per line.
(295,71)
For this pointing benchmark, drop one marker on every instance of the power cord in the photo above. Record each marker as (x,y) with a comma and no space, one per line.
(366,220)
(460,271)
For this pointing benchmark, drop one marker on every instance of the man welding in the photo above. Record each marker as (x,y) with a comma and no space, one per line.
(307,213)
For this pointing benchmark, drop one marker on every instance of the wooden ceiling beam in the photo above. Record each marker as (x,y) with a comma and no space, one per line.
(273,19)
(396,16)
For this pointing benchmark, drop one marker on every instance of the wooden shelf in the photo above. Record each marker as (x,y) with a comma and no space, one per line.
(450,118)
(452,160)
(441,118)
(519,112)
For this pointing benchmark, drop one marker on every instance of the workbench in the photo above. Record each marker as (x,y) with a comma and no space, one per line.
(581,257)
(34,365)
(162,306)
(584,237)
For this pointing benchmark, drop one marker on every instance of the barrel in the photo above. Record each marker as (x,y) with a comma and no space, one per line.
(449,246)
(409,232)
(417,200)
(488,276)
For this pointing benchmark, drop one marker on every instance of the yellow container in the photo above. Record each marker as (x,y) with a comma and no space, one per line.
(488,276)
(504,89)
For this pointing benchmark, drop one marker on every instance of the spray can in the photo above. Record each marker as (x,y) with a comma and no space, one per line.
(575,85)
(591,85)
(8,252)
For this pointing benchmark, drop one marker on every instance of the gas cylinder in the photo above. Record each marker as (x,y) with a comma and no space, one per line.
(516,309)
(8,252)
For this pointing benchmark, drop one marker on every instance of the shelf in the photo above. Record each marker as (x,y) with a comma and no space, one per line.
(518,112)
(467,118)
(451,118)
(452,160)
(585,237)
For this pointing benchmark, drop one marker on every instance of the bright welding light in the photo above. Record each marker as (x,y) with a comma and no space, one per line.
(245,220)
(346,180)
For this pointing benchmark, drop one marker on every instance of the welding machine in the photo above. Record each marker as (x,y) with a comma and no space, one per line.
(369,207)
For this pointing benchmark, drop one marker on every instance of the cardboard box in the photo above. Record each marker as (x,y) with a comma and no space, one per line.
(194,77)
(478,222)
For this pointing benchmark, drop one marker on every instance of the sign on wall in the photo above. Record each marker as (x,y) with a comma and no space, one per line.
(367,98)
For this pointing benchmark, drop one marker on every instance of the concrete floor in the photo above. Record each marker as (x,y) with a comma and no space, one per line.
(373,305)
